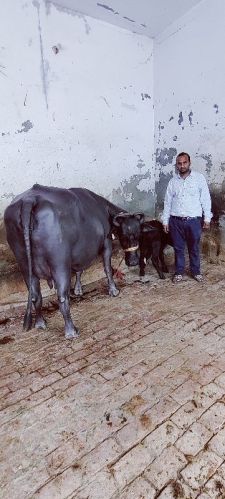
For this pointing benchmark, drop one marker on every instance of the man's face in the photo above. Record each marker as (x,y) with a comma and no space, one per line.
(183,164)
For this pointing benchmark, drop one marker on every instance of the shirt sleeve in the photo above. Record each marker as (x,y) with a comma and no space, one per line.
(167,203)
(205,200)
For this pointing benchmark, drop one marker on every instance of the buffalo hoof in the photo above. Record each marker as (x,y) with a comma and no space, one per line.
(162,276)
(27,322)
(78,292)
(72,335)
(113,292)
(40,324)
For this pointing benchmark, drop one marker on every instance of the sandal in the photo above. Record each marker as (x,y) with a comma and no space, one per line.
(177,278)
(198,277)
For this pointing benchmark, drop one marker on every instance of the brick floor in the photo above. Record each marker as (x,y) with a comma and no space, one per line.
(133,409)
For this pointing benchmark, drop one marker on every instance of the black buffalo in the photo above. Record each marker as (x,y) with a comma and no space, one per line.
(153,240)
(54,232)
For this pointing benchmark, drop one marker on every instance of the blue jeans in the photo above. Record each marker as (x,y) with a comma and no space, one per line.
(186,231)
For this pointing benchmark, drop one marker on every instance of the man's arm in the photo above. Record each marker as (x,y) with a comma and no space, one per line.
(205,200)
(167,206)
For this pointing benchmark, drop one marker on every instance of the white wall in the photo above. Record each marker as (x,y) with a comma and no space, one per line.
(189,81)
(79,117)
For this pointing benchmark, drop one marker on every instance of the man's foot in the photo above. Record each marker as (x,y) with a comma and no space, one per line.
(177,278)
(198,277)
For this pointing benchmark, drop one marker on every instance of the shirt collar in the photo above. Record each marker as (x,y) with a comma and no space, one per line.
(181,178)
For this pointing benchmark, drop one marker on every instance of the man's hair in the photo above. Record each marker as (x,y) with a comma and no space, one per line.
(184,154)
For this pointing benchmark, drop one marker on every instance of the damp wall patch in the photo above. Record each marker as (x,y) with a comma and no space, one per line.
(189,99)
(69,117)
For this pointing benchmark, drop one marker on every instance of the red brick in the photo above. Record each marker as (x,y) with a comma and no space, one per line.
(14,397)
(23,381)
(3,391)
(40,383)
(55,366)
(6,380)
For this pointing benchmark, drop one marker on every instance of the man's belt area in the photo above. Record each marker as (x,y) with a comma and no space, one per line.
(185,218)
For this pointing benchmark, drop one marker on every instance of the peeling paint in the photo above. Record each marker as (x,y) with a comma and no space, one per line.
(140,163)
(128,19)
(26,126)
(143,185)
(171,118)
(8,195)
(130,197)
(190,118)
(160,189)
(105,7)
(165,156)
(208,159)
(181,119)
(216,107)
(175,138)
(145,96)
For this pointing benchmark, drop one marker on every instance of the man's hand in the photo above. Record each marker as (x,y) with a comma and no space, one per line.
(166,228)
(206,225)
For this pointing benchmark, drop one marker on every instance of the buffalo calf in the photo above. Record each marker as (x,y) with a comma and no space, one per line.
(153,240)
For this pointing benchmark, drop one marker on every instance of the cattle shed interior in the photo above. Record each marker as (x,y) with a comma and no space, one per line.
(104,96)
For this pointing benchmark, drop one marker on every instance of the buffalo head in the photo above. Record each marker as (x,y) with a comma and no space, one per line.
(128,230)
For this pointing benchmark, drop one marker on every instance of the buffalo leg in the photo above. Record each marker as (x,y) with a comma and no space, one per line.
(107,253)
(142,265)
(78,288)
(156,261)
(62,284)
(162,260)
(37,302)
(18,250)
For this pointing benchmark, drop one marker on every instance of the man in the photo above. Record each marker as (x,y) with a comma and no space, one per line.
(187,202)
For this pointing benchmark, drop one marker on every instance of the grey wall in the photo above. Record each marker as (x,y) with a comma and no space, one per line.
(189,81)
(76,105)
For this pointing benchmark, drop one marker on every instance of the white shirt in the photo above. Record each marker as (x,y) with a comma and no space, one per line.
(187,197)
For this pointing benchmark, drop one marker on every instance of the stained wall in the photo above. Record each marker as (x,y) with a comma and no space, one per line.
(76,105)
(189,82)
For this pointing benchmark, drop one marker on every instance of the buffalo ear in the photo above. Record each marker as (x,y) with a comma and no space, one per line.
(140,217)
(117,220)
(148,228)
(144,228)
